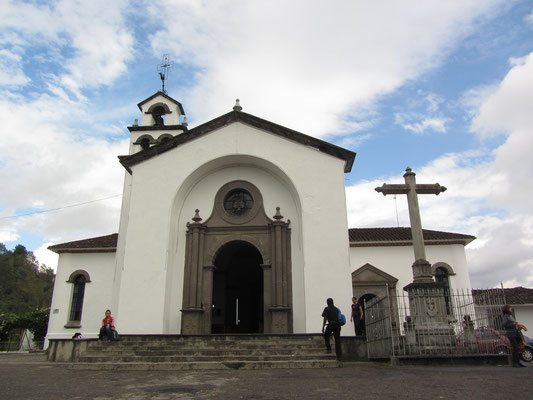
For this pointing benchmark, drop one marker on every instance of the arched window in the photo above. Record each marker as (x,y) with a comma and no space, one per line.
(78,279)
(441,276)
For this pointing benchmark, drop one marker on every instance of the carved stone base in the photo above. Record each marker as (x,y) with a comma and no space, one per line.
(191,321)
(427,306)
(422,272)
(280,319)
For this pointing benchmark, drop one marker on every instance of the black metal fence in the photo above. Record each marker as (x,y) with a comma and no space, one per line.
(465,322)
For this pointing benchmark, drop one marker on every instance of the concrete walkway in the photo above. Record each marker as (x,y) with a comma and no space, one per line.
(30,376)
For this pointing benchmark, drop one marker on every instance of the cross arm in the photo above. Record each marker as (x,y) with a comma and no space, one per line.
(430,189)
(392,189)
(386,189)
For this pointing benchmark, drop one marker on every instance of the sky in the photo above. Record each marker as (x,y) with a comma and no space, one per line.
(443,87)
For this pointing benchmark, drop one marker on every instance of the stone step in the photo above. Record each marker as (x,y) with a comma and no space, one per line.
(176,352)
(220,339)
(200,358)
(208,365)
(107,347)
(183,342)
(206,352)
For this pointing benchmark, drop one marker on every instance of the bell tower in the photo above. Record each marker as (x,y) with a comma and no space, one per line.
(162,118)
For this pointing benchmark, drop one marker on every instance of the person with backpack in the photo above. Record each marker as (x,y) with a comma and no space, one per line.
(331,318)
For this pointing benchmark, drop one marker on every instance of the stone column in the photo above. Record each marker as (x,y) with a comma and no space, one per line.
(192,311)
(280,308)
(267,297)
(207,297)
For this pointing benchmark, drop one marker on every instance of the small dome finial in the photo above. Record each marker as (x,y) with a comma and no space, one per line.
(196,217)
(237,106)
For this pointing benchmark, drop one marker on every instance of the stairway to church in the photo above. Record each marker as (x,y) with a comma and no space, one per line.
(176,352)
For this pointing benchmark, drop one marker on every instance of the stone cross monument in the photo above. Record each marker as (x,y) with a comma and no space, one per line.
(431,330)
(421,268)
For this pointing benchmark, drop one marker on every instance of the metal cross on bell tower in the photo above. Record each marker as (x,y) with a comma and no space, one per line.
(163,69)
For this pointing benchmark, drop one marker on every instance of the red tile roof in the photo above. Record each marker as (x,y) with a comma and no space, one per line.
(100,244)
(362,237)
(513,296)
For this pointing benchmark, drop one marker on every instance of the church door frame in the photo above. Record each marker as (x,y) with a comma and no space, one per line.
(241,220)
(238,305)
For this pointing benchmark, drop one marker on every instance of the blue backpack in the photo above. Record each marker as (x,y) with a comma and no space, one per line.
(342,318)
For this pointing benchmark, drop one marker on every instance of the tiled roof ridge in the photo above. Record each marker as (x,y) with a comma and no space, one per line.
(513,296)
(402,234)
(107,242)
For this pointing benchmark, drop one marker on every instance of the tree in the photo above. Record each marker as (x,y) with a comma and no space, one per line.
(25,293)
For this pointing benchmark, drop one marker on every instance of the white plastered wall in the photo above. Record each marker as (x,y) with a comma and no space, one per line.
(397,261)
(97,298)
(524,315)
(301,174)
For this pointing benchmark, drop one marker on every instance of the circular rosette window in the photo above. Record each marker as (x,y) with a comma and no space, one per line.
(238,202)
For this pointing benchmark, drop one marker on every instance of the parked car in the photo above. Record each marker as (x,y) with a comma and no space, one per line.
(490,341)
(527,354)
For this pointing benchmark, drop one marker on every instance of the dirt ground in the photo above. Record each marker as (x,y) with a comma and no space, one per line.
(30,376)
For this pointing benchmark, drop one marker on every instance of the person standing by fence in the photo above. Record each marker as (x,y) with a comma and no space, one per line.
(357,317)
(512,330)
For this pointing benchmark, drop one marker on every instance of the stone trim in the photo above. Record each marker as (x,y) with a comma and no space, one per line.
(163,105)
(204,241)
(444,265)
(79,272)
(226,189)
(166,96)
(73,325)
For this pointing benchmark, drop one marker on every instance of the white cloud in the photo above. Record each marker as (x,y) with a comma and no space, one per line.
(308,75)
(46,257)
(434,124)
(8,236)
(94,32)
(51,166)
(11,73)
(529,18)
(489,192)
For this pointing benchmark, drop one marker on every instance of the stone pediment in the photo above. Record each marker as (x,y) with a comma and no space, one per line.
(368,274)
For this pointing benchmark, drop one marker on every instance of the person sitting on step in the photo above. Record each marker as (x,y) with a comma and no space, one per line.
(108,326)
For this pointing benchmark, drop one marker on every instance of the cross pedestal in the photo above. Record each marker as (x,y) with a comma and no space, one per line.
(427,307)
(426,297)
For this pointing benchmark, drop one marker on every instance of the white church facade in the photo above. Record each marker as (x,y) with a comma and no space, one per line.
(238,225)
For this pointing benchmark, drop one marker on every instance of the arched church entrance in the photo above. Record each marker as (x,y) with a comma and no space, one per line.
(238,290)
(237,275)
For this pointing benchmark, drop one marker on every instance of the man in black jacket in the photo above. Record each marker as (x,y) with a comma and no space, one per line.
(331,317)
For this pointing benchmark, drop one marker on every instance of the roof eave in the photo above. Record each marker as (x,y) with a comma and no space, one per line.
(84,250)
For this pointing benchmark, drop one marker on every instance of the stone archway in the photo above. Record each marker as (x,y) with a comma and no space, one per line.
(238,217)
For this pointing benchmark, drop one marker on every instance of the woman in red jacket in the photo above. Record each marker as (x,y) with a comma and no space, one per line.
(108,326)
